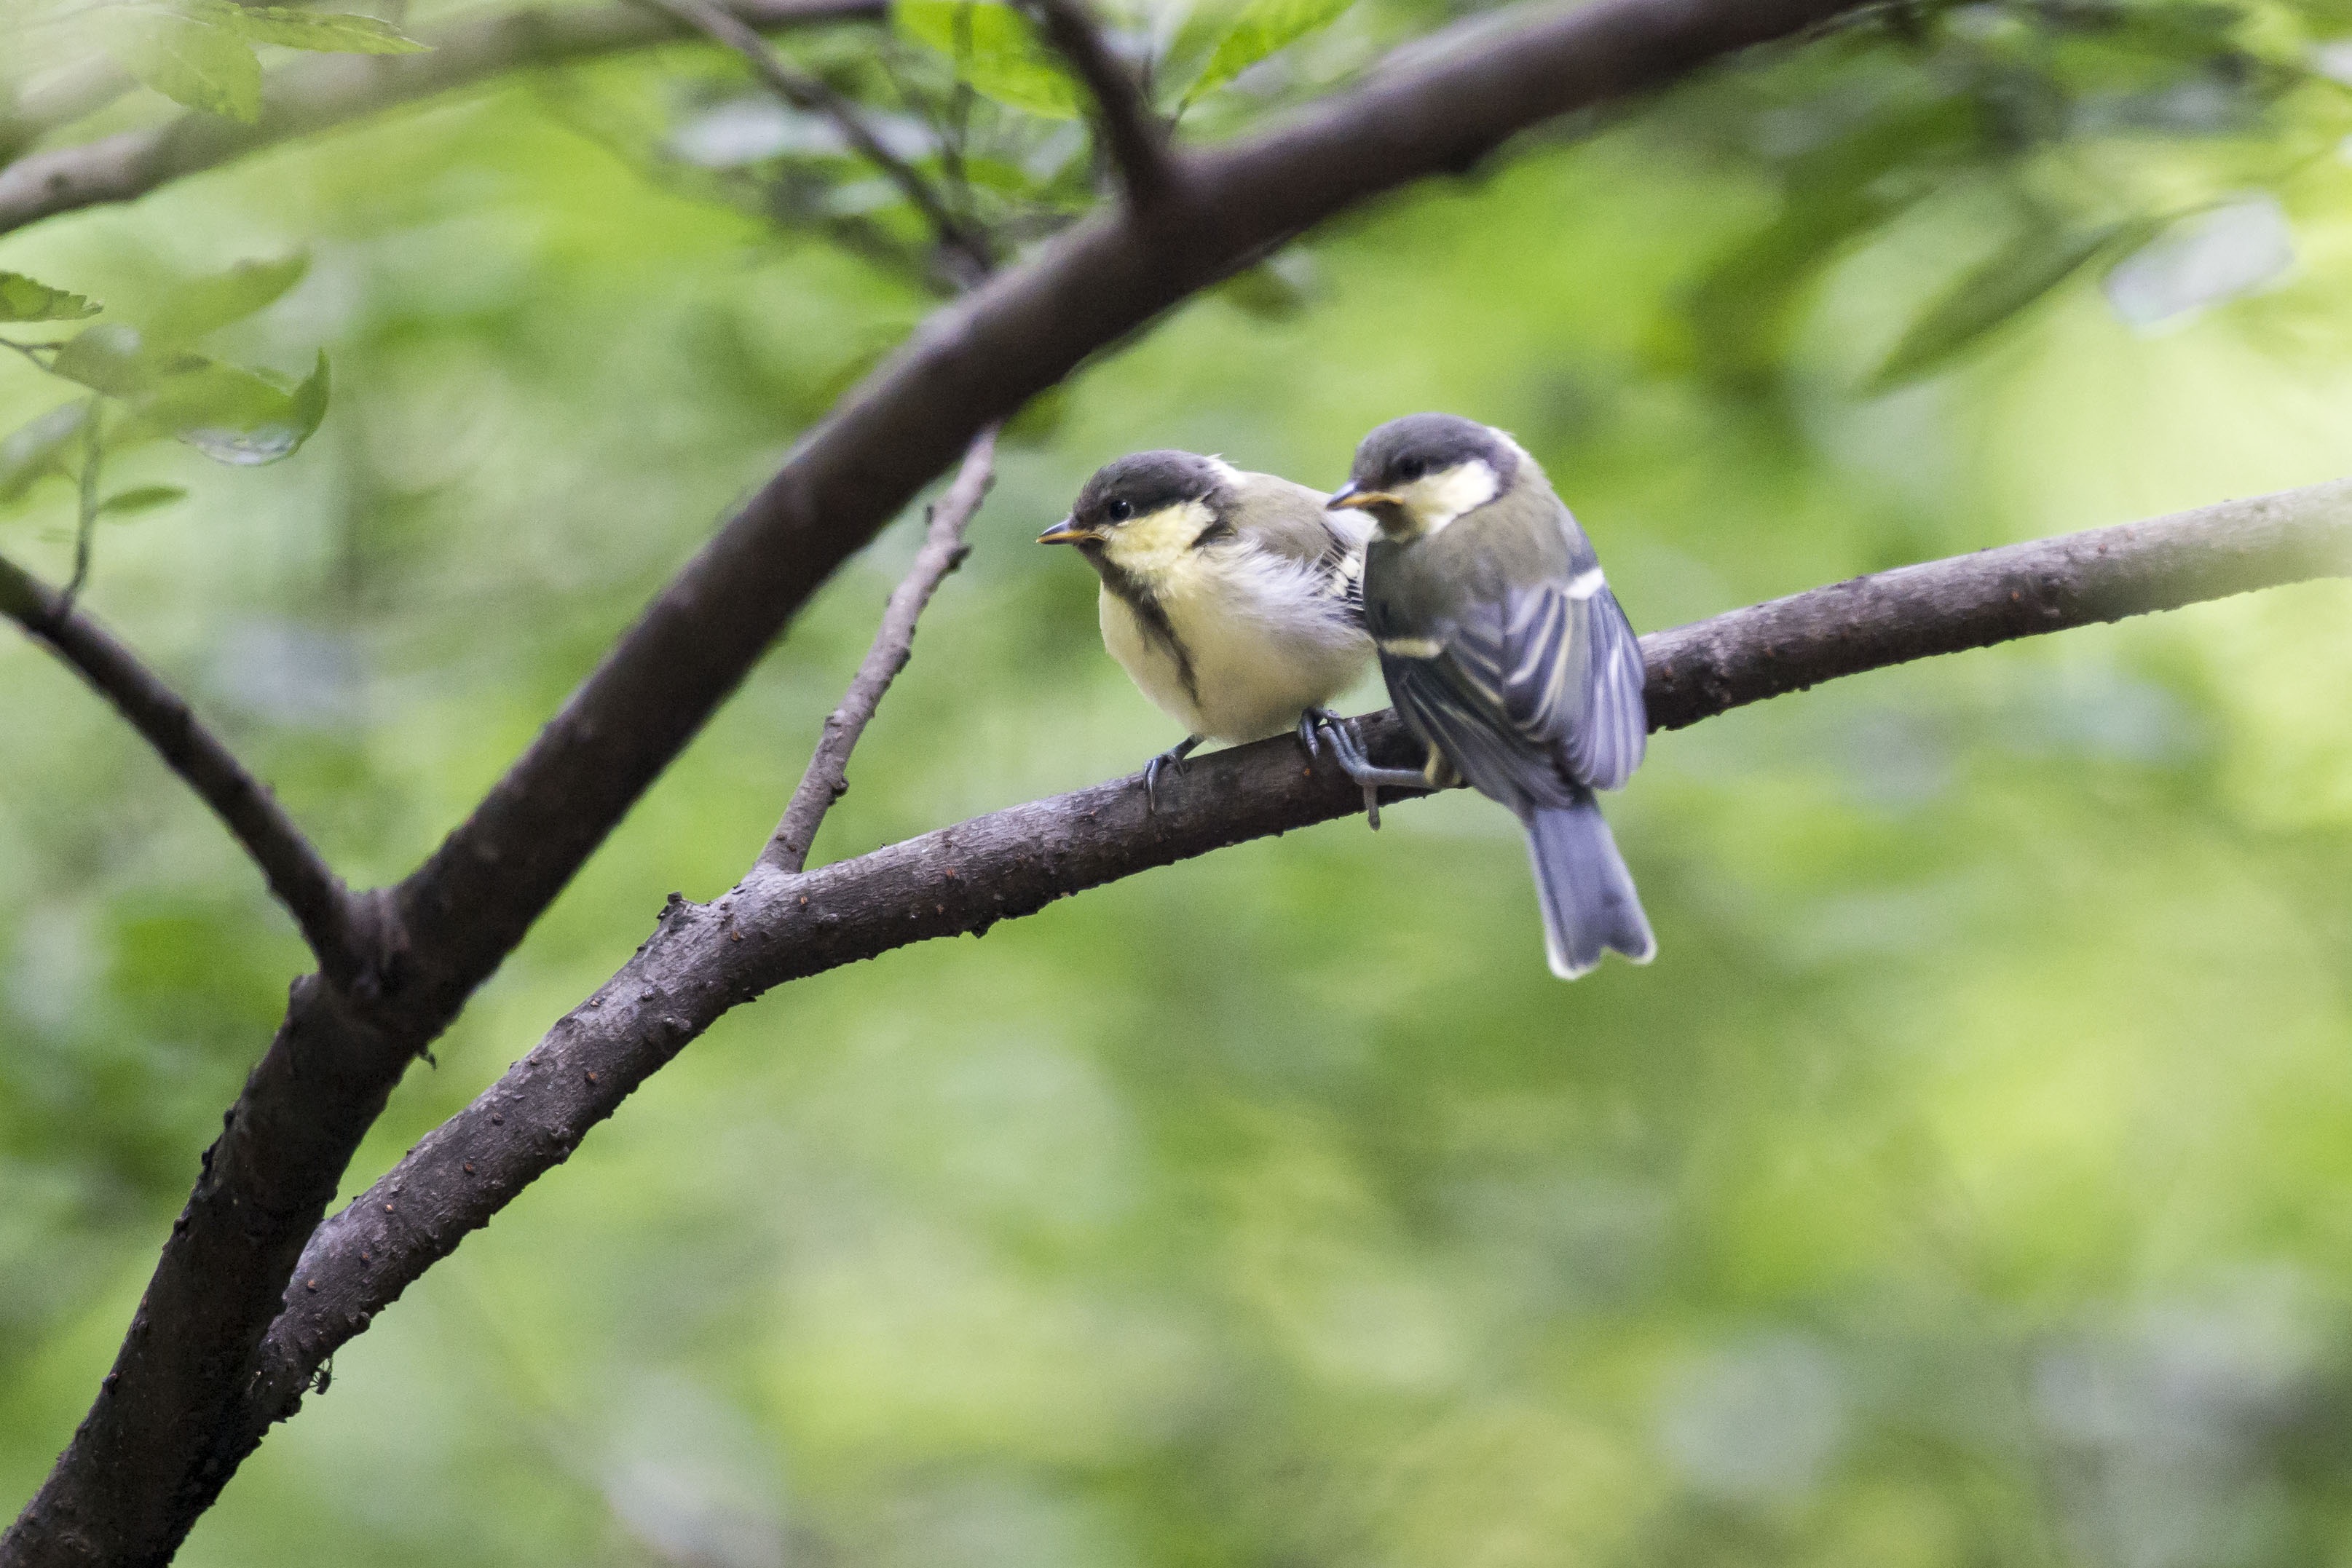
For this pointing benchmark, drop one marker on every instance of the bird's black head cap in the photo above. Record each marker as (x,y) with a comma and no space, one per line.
(1419,445)
(1145,482)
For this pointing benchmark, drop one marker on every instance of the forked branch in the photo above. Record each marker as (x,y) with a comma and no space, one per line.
(297,874)
(943,551)
(813,95)
(1134,137)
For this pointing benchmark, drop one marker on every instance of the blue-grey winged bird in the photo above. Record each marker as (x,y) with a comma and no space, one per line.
(1507,655)
(1234,600)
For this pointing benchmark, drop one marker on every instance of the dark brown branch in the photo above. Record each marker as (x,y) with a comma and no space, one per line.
(705,959)
(813,95)
(324,90)
(1136,138)
(312,893)
(828,775)
(150,1457)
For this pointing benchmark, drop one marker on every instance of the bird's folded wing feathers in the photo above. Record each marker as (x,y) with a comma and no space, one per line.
(1560,673)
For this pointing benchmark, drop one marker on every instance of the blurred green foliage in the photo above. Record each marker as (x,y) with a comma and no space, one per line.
(1965,1184)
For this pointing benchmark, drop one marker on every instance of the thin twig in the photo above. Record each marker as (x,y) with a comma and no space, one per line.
(31,350)
(93,454)
(296,874)
(813,95)
(826,780)
(1136,138)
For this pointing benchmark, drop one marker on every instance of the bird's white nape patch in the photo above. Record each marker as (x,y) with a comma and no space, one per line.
(1587,583)
(1150,548)
(1435,499)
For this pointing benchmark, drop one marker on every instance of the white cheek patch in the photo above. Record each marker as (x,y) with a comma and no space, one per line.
(1151,547)
(1439,498)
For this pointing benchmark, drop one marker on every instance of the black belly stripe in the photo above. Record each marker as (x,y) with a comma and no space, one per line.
(1149,612)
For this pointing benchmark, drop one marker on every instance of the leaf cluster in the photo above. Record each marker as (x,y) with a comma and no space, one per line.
(969,93)
(139,380)
(2095,126)
(201,53)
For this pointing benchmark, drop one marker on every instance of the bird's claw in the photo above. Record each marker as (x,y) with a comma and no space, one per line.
(1358,767)
(1313,720)
(1174,757)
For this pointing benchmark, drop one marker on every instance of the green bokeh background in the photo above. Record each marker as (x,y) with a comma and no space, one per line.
(1968,1182)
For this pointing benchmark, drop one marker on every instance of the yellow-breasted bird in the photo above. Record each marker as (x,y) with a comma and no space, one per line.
(1506,653)
(1234,600)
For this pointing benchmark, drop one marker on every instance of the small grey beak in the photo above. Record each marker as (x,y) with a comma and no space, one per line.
(1065,532)
(1351,497)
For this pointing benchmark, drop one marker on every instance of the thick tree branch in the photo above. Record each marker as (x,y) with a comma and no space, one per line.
(705,959)
(814,95)
(828,775)
(324,90)
(1136,138)
(149,1458)
(312,893)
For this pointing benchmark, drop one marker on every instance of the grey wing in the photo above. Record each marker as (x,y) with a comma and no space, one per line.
(1433,701)
(1559,673)
(1612,728)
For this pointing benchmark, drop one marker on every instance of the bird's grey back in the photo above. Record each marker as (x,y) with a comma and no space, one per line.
(1291,520)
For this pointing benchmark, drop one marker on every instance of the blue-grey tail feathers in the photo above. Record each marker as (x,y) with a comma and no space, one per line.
(1588,897)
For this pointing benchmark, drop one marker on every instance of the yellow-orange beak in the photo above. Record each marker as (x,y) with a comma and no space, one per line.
(1065,532)
(1348,496)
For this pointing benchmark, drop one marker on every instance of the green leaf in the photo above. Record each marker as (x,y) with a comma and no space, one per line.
(113,357)
(1743,310)
(231,414)
(144,498)
(1992,294)
(202,305)
(1276,289)
(23,299)
(995,49)
(31,450)
(1262,27)
(325,32)
(189,62)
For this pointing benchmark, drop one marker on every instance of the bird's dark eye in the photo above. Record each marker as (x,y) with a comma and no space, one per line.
(1412,468)
(1118,511)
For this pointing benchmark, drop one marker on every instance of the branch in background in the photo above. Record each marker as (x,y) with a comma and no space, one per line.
(312,893)
(1136,138)
(149,1458)
(56,99)
(321,92)
(705,959)
(828,778)
(814,95)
